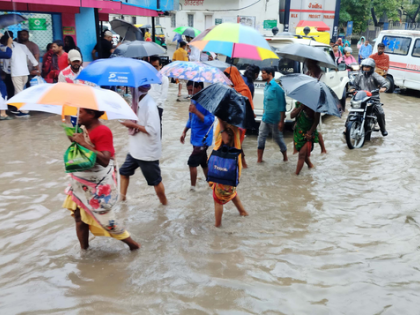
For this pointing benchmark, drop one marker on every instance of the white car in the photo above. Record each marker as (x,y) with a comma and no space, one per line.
(336,80)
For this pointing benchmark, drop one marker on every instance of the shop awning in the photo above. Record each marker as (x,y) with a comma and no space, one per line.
(104,6)
(319,25)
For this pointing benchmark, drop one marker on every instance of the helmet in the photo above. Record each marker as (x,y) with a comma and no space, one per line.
(348,49)
(368,62)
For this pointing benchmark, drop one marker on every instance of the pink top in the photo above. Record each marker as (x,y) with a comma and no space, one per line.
(348,60)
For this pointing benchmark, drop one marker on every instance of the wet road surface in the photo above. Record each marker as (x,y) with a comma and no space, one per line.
(343,238)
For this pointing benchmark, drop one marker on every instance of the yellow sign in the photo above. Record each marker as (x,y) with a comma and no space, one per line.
(69,30)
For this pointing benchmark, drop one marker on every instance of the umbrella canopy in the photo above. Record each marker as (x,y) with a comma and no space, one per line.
(217,64)
(227,104)
(195,71)
(126,30)
(120,71)
(187,31)
(65,99)
(11,19)
(235,41)
(299,52)
(314,94)
(138,49)
(143,25)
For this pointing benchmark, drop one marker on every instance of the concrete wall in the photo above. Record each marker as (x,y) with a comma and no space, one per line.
(256,14)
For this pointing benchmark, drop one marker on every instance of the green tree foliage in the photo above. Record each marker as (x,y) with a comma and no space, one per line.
(412,10)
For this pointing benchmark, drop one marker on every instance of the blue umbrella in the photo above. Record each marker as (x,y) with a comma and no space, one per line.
(120,71)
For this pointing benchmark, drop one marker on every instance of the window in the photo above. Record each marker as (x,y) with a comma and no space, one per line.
(416,49)
(133,20)
(173,20)
(397,45)
(191,20)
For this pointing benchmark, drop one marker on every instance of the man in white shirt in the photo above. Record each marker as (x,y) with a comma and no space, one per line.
(195,52)
(159,92)
(19,68)
(144,146)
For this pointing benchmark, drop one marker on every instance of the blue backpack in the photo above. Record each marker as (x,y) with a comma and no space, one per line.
(223,166)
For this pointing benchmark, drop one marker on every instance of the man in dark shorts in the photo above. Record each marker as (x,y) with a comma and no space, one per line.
(144,146)
(201,124)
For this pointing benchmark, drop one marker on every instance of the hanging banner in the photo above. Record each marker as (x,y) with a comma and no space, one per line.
(270,24)
(349,28)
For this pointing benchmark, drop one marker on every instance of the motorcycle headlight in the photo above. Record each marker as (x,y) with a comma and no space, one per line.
(356,104)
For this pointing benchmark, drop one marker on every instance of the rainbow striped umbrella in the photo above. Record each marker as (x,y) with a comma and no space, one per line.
(235,41)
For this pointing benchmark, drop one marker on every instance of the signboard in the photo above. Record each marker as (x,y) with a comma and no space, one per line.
(309,10)
(349,28)
(69,30)
(270,24)
(218,21)
(37,24)
(247,20)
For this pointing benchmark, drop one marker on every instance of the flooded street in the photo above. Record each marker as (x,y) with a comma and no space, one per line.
(343,238)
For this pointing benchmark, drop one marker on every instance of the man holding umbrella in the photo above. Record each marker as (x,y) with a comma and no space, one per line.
(201,124)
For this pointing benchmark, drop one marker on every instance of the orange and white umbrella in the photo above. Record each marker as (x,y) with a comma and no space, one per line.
(65,99)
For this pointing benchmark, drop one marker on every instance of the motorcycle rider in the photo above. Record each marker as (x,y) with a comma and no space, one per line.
(369,80)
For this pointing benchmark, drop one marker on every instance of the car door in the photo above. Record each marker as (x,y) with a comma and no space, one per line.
(412,78)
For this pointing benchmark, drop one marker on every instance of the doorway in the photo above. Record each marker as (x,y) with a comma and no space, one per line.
(208,21)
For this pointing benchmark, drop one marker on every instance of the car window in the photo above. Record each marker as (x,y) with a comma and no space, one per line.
(396,45)
(416,49)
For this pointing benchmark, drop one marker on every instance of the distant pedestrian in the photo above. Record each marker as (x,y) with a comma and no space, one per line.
(194,52)
(348,58)
(69,44)
(180,55)
(381,60)
(360,43)
(5,40)
(274,114)
(337,52)
(106,48)
(365,51)
(200,122)
(159,92)
(70,73)
(59,61)
(47,61)
(23,37)
(19,70)
(5,53)
(145,148)
(251,74)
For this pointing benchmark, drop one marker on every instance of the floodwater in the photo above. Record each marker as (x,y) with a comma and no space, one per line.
(343,238)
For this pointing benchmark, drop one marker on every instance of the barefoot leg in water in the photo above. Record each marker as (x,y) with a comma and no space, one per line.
(82,230)
(237,202)
(321,143)
(302,157)
(131,243)
(218,212)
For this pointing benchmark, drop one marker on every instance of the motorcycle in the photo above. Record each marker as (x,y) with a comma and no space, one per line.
(362,119)
(353,70)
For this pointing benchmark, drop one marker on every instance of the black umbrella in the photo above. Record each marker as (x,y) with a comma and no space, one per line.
(138,49)
(11,19)
(126,30)
(145,26)
(312,93)
(217,64)
(227,104)
(299,52)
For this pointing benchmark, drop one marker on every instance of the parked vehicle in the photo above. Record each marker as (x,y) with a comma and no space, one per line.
(160,37)
(336,80)
(403,48)
(361,120)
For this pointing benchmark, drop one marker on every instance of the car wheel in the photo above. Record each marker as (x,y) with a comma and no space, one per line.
(391,84)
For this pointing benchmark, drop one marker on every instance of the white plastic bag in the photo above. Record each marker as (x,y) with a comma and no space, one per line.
(37,80)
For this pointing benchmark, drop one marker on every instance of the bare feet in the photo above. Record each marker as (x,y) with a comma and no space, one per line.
(324,151)
(123,198)
(131,243)
(218,224)
(260,161)
(243,213)
(285,159)
(310,165)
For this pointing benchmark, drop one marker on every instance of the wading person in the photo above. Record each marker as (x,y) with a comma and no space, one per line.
(228,135)
(314,71)
(93,193)
(305,133)
(251,74)
(180,55)
(200,121)
(145,148)
(274,114)
(365,51)
(240,86)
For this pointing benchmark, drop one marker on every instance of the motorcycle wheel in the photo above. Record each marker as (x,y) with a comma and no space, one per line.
(354,141)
